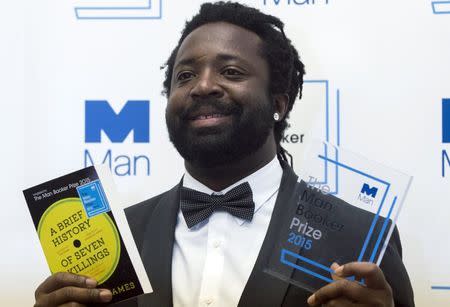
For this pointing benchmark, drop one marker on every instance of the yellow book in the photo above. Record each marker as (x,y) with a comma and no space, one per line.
(83,230)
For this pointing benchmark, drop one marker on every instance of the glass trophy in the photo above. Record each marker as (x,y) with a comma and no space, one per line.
(343,209)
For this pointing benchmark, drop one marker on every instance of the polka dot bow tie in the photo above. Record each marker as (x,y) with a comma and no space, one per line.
(197,206)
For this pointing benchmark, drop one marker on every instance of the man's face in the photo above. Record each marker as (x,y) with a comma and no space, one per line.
(219,108)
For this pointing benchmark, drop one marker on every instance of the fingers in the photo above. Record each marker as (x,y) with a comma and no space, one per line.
(344,292)
(65,289)
(334,266)
(60,280)
(73,294)
(339,289)
(370,272)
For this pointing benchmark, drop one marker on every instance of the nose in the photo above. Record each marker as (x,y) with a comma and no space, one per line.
(206,86)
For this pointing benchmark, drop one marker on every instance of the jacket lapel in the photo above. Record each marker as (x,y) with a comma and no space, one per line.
(158,245)
(263,289)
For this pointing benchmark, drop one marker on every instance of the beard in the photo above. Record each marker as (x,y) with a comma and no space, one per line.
(221,144)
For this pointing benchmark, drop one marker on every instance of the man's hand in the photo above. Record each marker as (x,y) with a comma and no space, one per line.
(343,292)
(66,289)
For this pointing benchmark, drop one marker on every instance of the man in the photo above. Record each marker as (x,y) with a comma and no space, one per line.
(231,83)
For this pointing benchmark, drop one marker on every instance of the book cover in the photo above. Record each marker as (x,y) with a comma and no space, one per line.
(83,230)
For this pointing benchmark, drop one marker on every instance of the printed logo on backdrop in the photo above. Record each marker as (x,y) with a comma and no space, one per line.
(440,7)
(445,136)
(445,158)
(318,99)
(296,2)
(111,137)
(118,9)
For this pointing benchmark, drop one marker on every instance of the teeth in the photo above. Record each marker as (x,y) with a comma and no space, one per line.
(209,116)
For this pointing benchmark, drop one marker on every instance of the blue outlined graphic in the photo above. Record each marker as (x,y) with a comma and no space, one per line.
(121,10)
(293,263)
(284,260)
(440,288)
(331,166)
(440,7)
(328,134)
(375,218)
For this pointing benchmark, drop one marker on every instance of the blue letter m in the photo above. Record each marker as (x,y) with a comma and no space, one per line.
(366,189)
(135,115)
(445,158)
(275,1)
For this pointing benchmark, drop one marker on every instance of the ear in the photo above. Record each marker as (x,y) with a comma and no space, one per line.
(281,102)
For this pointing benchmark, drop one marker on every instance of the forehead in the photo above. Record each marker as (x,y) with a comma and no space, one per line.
(222,38)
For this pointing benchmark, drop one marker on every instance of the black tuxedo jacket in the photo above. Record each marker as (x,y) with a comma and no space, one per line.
(153,224)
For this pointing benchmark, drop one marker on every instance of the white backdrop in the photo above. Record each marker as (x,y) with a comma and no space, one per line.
(381,66)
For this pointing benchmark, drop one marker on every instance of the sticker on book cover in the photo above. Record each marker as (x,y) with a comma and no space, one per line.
(93,198)
(75,243)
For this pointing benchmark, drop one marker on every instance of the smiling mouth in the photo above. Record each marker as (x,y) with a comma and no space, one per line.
(208,116)
(209,120)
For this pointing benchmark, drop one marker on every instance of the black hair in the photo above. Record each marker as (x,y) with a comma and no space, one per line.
(286,68)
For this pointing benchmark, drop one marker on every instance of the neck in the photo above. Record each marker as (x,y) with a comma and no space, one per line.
(219,177)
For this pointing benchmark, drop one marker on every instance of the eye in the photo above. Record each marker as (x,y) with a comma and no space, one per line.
(232,72)
(184,75)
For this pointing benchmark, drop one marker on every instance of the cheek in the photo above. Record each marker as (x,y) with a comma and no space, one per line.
(172,112)
(256,93)
(174,103)
(258,101)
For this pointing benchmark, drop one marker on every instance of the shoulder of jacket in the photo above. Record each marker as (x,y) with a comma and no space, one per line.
(145,207)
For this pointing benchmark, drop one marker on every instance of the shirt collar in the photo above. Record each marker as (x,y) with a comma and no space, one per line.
(264,183)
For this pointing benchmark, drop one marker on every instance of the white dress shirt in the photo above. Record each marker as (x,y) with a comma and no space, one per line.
(212,261)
